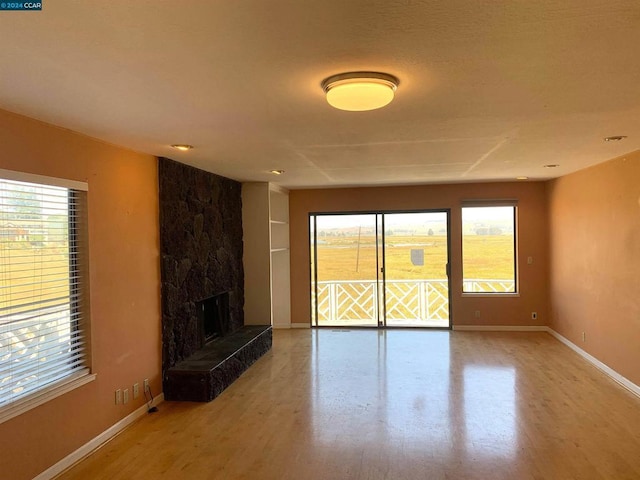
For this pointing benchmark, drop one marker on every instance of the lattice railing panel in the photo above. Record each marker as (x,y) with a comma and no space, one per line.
(405,300)
(437,295)
(356,301)
(475,285)
(324,301)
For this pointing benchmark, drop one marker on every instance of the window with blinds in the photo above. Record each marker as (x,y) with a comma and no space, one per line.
(42,321)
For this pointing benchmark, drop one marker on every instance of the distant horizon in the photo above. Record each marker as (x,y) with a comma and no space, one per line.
(417,221)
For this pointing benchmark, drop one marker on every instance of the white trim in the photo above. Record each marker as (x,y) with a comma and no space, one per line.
(277,188)
(501,328)
(490,294)
(300,325)
(43,180)
(489,202)
(283,326)
(96,442)
(623,381)
(42,396)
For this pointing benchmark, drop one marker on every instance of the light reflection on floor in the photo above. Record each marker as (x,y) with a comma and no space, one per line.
(394,405)
(490,410)
(407,388)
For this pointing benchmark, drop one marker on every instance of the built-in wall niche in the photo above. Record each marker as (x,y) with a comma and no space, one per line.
(265,218)
(279,236)
(280,267)
(279,219)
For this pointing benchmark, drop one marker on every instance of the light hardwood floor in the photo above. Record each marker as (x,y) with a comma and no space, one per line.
(400,404)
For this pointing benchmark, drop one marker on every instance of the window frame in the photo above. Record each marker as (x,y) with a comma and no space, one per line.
(78,243)
(486,204)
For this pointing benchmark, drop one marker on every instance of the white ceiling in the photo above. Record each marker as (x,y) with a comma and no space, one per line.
(489,89)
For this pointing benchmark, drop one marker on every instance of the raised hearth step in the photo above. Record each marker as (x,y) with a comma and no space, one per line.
(205,374)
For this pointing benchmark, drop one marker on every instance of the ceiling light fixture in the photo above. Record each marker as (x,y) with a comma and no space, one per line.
(360,91)
(615,138)
(276,172)
(182,147)
(522,178)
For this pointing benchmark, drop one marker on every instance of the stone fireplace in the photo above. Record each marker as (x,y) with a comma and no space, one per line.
(202,284)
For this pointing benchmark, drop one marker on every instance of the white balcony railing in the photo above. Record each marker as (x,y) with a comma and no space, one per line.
(407,301)
(477,285)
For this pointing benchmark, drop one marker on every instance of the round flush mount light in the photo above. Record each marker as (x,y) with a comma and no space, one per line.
(360,91)
(182,147)
(522,177)
(276,172)
(615,138)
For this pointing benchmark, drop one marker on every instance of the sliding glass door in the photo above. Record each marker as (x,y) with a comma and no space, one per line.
(416,285)
(346,270)
(380,269)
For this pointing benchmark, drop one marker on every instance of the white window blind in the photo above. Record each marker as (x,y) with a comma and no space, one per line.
(42,326)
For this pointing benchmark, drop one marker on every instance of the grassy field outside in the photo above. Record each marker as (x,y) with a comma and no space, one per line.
(349,259)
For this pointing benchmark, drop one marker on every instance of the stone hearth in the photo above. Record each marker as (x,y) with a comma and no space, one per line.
(205,374)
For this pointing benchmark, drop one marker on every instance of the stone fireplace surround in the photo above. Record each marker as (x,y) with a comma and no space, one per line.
(201,256)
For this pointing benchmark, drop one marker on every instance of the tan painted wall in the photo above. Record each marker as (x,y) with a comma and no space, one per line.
(494,311)
(125,289)
(595,261)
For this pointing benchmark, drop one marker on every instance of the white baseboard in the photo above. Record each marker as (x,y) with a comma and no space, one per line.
(501,328)
(291,325)
(625,382)
(96,442)
(300,325)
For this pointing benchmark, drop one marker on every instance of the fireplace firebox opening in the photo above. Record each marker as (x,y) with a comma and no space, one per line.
(213,313)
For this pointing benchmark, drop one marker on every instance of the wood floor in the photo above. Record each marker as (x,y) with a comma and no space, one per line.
(400,404)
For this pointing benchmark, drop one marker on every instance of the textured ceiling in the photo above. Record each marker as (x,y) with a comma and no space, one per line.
(489,89)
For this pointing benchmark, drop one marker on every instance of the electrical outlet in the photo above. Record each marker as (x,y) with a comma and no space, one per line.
(146,385)
(136,390)
(534,315)
(584,337)
(125,396)
(477,313)
(118,397)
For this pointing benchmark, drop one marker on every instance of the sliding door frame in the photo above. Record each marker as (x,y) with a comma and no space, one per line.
(381,310)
